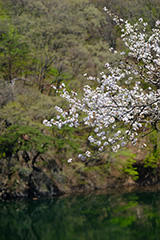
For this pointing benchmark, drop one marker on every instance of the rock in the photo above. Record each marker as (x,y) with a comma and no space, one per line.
(40,185)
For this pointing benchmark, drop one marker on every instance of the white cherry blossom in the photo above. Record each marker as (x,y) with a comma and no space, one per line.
(126,99)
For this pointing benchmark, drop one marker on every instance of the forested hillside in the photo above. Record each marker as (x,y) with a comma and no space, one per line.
(49,42)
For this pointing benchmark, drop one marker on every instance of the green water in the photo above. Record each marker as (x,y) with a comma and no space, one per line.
(91,217)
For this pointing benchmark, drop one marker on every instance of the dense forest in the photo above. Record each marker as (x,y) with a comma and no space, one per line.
(50,42)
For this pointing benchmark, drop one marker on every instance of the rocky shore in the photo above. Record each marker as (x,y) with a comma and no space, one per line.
(20,178)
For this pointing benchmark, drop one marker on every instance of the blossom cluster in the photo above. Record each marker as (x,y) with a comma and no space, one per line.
(128,95)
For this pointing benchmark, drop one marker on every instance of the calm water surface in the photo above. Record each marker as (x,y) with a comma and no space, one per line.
(91,217)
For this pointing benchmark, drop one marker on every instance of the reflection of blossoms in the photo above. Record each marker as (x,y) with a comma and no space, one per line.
(128,94)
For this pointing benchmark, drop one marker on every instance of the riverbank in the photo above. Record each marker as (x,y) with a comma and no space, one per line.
(49,178)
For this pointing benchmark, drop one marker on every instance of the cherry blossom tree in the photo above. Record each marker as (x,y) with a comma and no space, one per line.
(124,103)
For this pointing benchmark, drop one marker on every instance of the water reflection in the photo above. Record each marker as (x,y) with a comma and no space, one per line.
(90,217)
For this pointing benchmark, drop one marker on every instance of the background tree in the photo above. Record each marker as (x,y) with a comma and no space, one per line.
(13,55)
